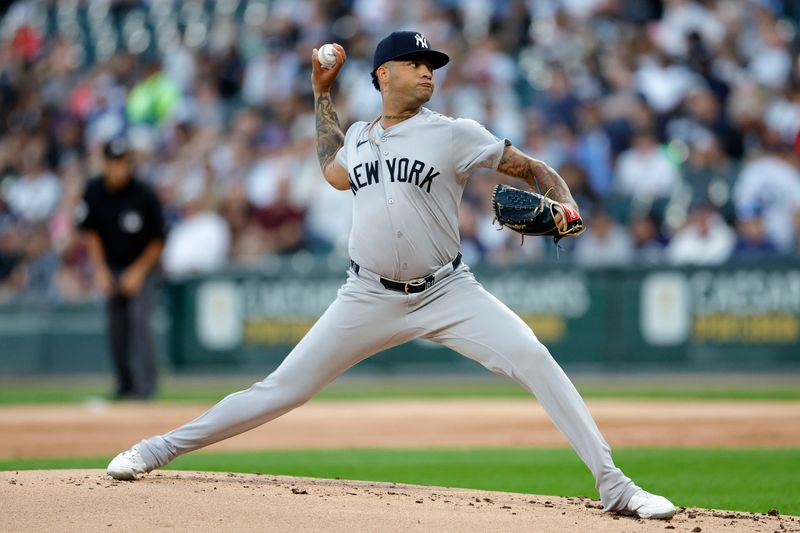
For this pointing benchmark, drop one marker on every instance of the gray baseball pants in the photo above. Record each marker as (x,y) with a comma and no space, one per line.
(130,335)
(365,319)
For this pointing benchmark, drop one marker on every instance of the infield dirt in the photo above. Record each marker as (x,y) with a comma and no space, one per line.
(72,500)
(87,500)
(105,429)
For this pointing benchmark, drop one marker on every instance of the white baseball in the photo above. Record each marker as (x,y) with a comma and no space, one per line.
(326,56)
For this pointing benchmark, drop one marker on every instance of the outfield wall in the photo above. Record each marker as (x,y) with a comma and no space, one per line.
(735,318)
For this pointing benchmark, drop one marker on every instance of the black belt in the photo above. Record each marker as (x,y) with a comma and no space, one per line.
(412,286)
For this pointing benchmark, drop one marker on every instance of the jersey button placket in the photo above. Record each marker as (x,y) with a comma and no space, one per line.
(389,198)
(388,187)
(385,152)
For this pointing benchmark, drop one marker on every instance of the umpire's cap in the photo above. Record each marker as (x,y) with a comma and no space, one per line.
(116,148)
(402,44)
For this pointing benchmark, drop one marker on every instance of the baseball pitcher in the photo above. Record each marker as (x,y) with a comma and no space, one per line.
(407,170)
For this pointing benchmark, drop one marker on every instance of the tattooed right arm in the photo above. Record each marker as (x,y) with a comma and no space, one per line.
(329,132)
(329,139)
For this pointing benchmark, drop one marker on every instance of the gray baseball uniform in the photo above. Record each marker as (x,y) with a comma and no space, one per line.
(408,180)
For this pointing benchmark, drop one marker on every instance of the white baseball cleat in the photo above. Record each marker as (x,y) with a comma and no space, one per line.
(646,505)
(127,466)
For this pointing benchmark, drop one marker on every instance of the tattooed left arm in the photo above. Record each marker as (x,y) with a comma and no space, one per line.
(516,164)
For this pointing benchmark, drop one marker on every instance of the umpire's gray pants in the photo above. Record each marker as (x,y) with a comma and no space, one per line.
(365,319)
(131,338)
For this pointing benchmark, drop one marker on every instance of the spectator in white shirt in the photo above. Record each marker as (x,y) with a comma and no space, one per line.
(606,243)
(770,183)
(644,172)
(706,239)
(200,242)
(35,195)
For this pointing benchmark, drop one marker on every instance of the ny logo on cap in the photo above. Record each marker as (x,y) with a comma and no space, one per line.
(421,40)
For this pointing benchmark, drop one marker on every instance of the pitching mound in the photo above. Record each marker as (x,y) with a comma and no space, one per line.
(87,500)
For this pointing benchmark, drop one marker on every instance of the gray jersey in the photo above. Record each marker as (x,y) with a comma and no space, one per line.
(408,180)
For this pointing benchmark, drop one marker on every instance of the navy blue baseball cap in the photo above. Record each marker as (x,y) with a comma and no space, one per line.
(401,44)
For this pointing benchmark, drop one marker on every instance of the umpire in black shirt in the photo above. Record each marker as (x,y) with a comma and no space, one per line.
(124,227)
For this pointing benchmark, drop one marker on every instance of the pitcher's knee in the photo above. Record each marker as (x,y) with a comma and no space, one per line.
(531,358)
(534,347)
(282,392)
(530,350)
(296,399)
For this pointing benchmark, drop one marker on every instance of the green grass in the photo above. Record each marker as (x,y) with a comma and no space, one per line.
(745,480)
(26,392)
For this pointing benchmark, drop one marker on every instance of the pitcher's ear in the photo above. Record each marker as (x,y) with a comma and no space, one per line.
(383,73)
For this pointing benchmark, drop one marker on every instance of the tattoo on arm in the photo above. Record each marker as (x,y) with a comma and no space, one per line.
(329,133)
(517,165)
(532,171)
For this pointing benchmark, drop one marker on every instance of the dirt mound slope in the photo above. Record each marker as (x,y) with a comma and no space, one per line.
(87,500)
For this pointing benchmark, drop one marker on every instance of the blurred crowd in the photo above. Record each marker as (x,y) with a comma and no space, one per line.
(674,122)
